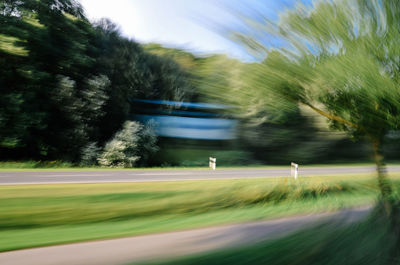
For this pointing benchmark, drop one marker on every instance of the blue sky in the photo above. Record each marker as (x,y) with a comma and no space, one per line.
(187,24)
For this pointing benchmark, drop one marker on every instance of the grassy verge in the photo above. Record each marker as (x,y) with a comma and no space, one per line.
(62,166)
(66,166)
(38,215)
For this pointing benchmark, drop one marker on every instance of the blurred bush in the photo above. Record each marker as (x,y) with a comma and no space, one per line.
(133,142)
(231,158)
(90,153)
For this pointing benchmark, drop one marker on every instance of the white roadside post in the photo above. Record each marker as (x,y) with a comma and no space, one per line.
(294,170)
(213,163)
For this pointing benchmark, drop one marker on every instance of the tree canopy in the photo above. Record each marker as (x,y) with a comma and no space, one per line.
(340,58)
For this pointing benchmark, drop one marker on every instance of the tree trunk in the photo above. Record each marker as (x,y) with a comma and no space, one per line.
(383,181)
(391,205)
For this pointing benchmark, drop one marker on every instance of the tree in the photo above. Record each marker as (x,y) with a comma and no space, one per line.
(46,72)
(341,59)
(62,79)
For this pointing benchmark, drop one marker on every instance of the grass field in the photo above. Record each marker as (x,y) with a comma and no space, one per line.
(38,215)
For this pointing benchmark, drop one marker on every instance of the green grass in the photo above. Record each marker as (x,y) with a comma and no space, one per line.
(199,157)
(39,215)
(10,166)
(370,242)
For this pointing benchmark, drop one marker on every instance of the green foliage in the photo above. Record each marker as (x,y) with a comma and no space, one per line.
(29,165)
(333,64)
(233,158)
(8,45)
(89,155)
(339,58)
(147,144)
(62,78)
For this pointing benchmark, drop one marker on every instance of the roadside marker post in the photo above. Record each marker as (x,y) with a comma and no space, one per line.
(213,163)
(294,170)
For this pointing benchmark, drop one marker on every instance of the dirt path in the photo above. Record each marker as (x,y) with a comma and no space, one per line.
(173,244)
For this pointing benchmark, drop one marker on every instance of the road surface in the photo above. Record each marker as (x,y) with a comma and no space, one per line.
(174,244)
(104,176)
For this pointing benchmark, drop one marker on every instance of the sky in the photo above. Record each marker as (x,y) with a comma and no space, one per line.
(185,24)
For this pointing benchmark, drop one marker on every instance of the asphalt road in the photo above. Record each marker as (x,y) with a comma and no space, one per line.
(104,176)
(169,245)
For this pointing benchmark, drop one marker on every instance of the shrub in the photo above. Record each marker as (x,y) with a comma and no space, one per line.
(133,144)
(121,151)
(147,145)
(89,154)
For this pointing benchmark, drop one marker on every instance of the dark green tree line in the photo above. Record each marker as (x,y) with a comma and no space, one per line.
(66,83)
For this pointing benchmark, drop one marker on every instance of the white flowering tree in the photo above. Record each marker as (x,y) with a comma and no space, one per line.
(122,150)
